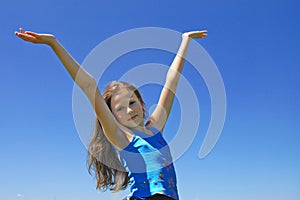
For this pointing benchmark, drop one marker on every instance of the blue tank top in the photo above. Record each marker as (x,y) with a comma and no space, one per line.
(149,163)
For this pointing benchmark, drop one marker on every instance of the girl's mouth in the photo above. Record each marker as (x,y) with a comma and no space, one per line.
(133,117)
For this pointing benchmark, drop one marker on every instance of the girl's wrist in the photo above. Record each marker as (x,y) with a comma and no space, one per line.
(185,40)
(184,45)
(186,37)
(52,41)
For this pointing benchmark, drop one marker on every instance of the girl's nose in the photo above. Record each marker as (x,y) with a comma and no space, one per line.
(129,110)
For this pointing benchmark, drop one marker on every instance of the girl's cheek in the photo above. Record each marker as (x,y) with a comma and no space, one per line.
(120,116)
(117,116)
(136,107)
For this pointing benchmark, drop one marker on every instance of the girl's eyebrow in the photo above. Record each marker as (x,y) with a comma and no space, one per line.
(123,102)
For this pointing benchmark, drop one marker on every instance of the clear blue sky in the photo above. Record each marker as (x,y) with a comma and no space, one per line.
(255,45)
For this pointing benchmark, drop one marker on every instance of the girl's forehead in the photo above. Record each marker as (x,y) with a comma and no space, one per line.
(123,94)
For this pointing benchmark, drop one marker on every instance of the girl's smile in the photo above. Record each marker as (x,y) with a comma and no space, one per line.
(133,117)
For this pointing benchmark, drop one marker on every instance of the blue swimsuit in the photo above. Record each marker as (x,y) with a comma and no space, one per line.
(149,163)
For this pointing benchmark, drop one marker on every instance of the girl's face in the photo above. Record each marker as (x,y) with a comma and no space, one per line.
(127,108)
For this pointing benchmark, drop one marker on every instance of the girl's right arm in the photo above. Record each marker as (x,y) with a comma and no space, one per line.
(86,82)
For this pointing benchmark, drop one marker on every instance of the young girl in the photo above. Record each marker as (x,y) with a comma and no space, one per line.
(124,150)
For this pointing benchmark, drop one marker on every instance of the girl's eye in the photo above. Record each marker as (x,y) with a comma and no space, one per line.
(131,102)
(120,109)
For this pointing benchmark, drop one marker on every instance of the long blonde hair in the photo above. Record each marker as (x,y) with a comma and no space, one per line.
(103,160)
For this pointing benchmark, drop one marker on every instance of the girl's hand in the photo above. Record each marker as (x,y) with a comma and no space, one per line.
(195,34)
(35,37)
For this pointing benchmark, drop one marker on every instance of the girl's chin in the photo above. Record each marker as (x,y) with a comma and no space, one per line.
(132,124)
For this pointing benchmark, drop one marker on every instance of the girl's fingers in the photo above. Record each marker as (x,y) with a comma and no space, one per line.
(31,33)
(196,34)
(25,37)
(21,31)
(203,31)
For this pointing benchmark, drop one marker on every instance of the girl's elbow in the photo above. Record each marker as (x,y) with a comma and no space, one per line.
(89,86)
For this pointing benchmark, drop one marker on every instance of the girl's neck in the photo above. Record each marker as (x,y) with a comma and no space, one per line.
(143,129)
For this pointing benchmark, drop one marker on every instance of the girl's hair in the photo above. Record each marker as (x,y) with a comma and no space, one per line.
(103,159)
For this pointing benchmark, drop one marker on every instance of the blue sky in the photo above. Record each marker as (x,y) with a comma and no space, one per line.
(255,45)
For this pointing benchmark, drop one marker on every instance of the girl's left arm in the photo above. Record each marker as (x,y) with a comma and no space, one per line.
(161,113)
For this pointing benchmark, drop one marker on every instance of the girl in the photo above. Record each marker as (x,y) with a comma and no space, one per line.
(123,150)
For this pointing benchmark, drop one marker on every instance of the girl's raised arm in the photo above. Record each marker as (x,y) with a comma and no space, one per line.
(161,113)
(85,81)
